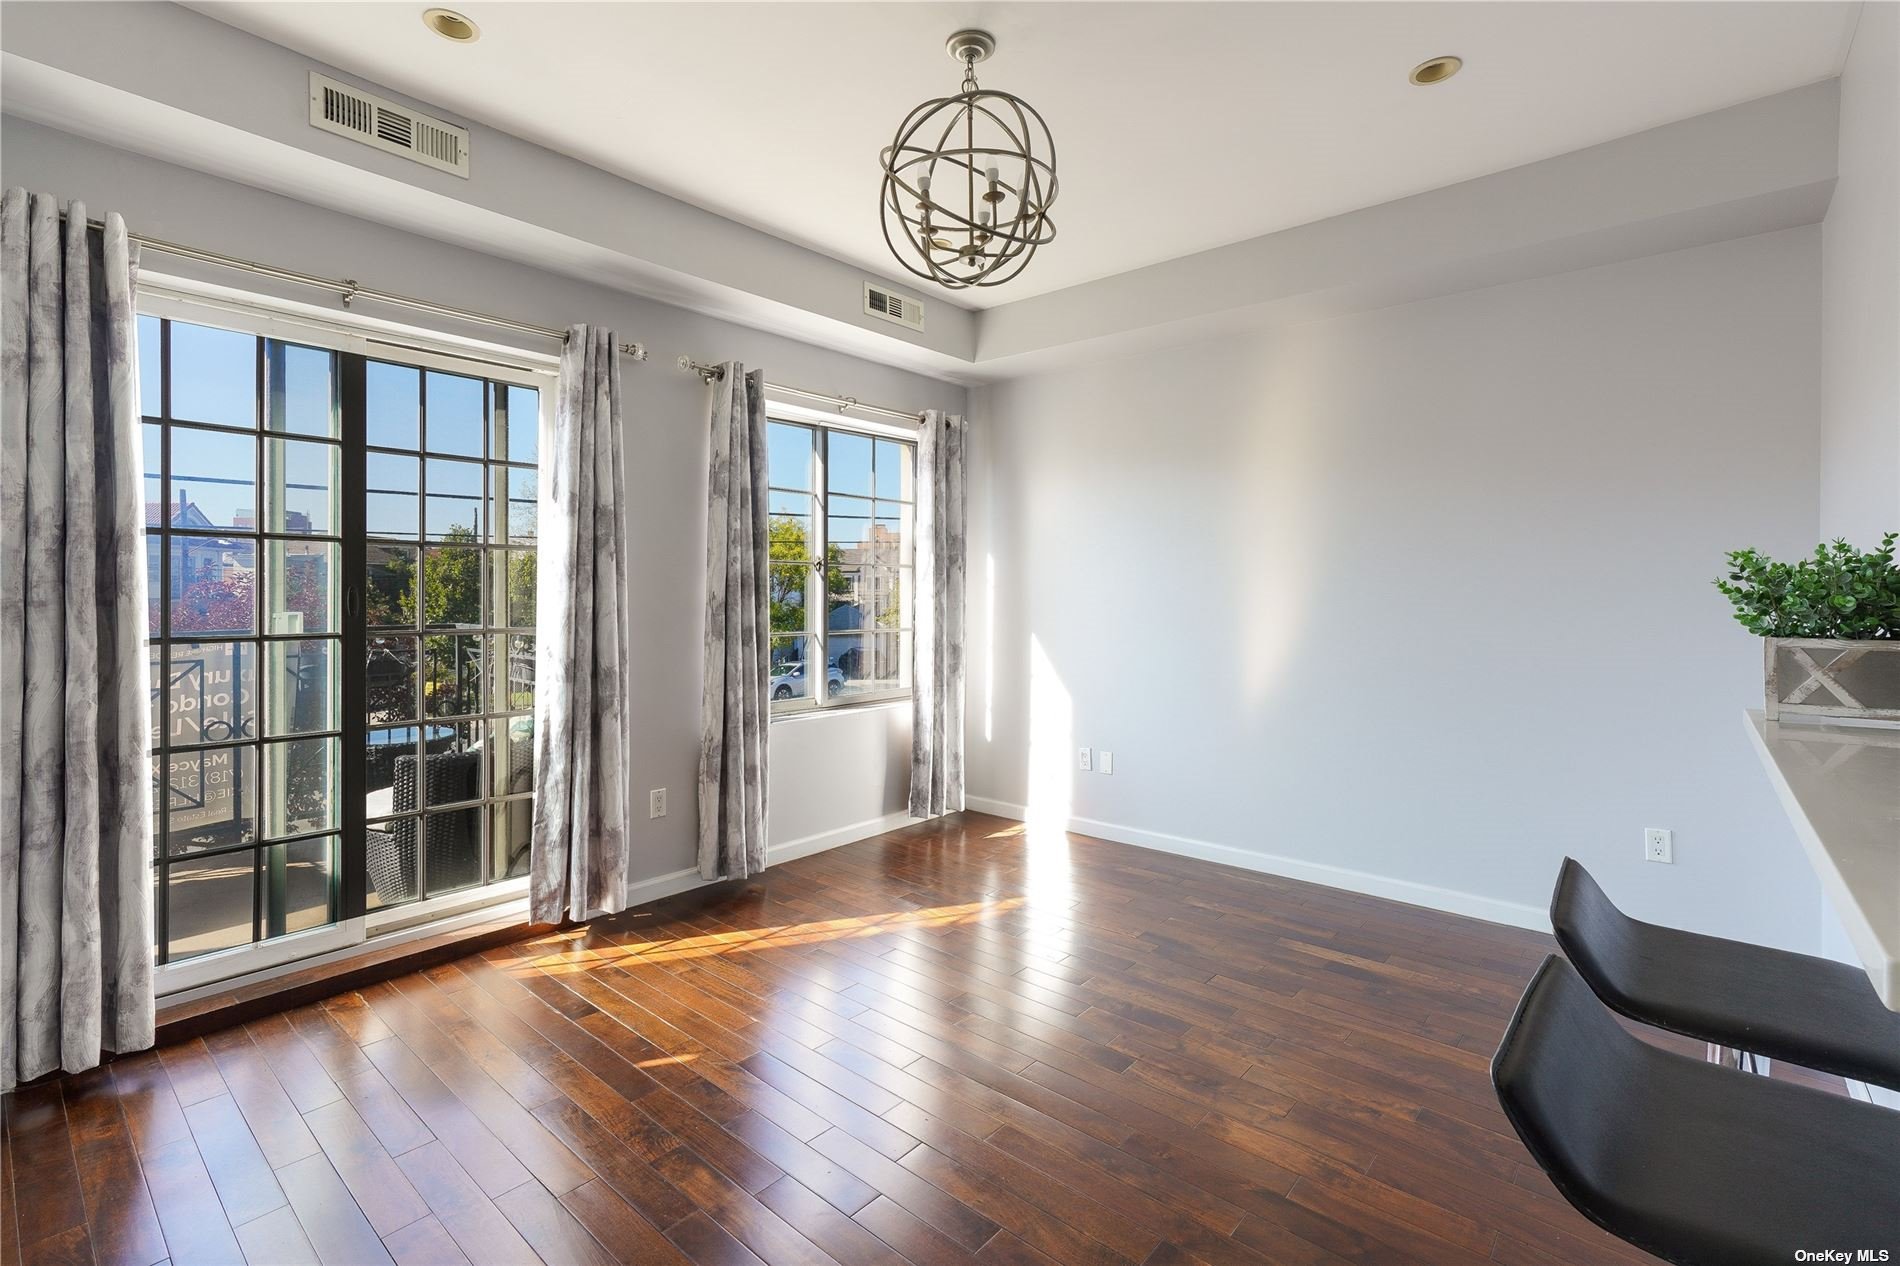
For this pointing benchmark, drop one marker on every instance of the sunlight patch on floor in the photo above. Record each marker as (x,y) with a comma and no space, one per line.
(563,956)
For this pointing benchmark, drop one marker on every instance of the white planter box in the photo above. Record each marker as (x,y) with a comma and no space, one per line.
(1853,680)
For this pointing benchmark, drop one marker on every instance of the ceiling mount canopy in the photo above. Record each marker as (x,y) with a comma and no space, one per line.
(969,181)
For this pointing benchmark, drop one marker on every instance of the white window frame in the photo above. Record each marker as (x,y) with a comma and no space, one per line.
(820,702)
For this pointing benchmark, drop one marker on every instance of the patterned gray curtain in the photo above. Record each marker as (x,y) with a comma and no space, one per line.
(936,726)
(75,764)
(583,729)
(738,638)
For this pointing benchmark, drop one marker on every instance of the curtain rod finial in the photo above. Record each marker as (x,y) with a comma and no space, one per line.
(636,350)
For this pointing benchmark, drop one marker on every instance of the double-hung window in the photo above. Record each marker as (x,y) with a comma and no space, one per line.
(341,558)
(841,564)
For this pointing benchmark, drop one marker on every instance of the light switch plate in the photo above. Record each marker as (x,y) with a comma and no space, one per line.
(1105,761)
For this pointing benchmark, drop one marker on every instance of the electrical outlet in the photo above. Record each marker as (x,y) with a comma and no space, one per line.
(1105,761)
(656,803)
(1082,761)
(1659,845)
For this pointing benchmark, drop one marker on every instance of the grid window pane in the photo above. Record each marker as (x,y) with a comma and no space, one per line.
(452,422)
(451,770)
(848,463)
(510,745)
(789,535)
(151,374)
(392,860)
(788,589)
(848,523)
(452,674)
(510,832)
(454,511)
(210,693)
(514,672)
(299,389)
(300,487)
(213,479)
(302,587)
(211,799)
(389,590)
(209,903)
(792,672)
(523,412)
(382,751)
(299,881)
(213,585)
(892,470)
(152,437)
(515,588)
(849,663)
(514,513)
(392,405)
(452,839)
(389,680)
(213,375)
(301,791)
(390,498)
(300,686)
(791,456)
(452,586)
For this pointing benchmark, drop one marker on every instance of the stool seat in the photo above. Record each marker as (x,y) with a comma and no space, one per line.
(1698,1164)
(1809,1011)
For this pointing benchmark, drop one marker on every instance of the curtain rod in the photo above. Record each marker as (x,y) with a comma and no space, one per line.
(349,291)
(708,373)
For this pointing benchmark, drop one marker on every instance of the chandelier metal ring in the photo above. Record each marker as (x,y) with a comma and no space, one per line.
(972,207)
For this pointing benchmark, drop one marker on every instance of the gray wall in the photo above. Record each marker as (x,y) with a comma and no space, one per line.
(1416,600)
(1860,489)
(1860,312)
(812,793)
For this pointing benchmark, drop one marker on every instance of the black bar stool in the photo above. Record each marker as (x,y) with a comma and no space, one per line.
(1698,1164)
(1808,1011)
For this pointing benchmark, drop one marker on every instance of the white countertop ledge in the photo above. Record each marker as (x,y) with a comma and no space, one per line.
(1841,787)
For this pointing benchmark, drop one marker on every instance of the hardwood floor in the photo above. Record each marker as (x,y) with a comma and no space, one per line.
(950,1044)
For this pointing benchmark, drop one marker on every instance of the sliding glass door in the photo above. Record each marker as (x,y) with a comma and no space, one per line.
(341,561)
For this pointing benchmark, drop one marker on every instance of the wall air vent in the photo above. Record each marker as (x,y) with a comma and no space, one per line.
(896,308)
(337,107)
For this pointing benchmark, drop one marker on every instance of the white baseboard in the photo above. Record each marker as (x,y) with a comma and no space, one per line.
(674,882)
(806,845)
(1430,896)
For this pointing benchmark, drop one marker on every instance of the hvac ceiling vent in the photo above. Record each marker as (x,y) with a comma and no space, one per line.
(337,107)
(896,308)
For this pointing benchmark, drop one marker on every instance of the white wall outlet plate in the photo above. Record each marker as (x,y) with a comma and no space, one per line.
(1659,845)
(1105,761)
(1082,760)
(656,803)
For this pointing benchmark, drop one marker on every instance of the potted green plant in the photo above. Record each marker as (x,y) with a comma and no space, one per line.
(1830,625)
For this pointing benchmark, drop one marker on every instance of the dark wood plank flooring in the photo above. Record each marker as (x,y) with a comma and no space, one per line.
(955,1043)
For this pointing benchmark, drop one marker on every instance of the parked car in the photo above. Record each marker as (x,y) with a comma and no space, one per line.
(788,682)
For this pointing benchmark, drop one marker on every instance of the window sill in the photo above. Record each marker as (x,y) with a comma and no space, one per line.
(836,709)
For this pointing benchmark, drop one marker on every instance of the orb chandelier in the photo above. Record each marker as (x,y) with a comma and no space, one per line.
(969,181)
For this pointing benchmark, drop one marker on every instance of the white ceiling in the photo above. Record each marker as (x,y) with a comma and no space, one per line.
(1179,126)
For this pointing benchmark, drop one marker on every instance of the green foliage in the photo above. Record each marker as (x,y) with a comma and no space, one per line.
(789,546)
(1838,592)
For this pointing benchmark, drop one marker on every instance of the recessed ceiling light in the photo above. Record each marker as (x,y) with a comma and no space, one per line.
(1437,70)
(451,25)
